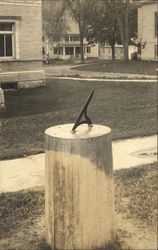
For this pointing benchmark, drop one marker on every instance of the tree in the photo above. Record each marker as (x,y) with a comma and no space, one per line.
(126,13)
(120,9)
(54,24)
(103,25)
(79,11)
(122,12)
(112,21)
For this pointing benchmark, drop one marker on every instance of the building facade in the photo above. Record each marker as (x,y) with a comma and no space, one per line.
(68,47)
(148,31)
(105,52)
(21,43)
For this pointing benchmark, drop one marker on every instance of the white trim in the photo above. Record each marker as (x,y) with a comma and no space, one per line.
(13,36)
(16,40)
(22,4)
(23,71)
(6,32)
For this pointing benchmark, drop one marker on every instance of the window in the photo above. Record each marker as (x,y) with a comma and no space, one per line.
(55,51)
(77,50)
(74,38)
(103,50)
(61,51)
(156,23)
(67,38)
(43,51)
(58,50)
(89,50)
(6,39)
(69,50)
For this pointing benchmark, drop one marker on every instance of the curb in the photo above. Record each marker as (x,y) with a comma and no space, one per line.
(101,79)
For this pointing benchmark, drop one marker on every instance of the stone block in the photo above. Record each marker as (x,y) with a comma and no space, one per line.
(2,102)
(8,77)
(31,84)
(24,79)
(31,75)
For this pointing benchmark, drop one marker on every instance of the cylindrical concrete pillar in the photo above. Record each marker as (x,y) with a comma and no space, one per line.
(79,187)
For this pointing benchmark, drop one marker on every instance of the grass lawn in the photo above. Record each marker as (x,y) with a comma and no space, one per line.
(132,67)
(22,222)
(129,109)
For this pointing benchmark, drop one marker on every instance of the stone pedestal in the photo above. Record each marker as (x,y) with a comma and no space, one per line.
(79,187)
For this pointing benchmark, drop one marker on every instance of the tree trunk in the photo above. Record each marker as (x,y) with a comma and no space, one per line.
(81,49)
(124,29)
(113,51)
(125,48)
(81,44)
(126,34)
(58,51)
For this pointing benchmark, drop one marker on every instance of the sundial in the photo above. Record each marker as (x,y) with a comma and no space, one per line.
(86,120)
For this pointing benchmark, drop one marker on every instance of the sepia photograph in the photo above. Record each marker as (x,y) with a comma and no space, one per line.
(78,124)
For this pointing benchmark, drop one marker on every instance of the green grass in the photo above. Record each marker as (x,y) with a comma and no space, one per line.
(129,109)
(132,67)
(135,198)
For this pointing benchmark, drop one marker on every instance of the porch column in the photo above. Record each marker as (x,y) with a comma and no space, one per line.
(74,51)
(63,50)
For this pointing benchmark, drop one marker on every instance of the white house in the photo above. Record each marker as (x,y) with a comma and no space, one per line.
(68,47)
(148,30)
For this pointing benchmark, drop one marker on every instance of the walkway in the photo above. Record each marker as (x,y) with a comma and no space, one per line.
(101,79)
(28,172)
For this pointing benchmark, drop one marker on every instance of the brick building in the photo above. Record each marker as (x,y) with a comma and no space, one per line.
(148,30)
(21,43)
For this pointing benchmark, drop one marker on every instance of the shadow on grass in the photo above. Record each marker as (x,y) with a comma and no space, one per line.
(115,245)
(43,245)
